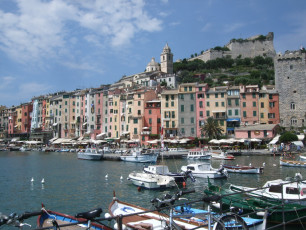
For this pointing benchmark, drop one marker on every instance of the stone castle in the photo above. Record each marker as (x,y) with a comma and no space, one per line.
(290,82)
(251,47)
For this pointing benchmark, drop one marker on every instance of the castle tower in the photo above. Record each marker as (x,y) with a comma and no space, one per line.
(166,60)
(290,82)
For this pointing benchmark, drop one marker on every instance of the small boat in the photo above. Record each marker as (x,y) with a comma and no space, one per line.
(164,170)
(151,181)
(52,219)
(292,163)
(255,207)
(292,190)
(140,155)
(234,221)
(90,154)
(199,154)
(204,170)
(146,219)
(24,149)
(177,152)
(243,169)
(222,156)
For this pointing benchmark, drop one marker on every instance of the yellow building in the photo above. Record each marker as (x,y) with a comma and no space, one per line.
(18,125)
(216,105)
(263,104)
(169,113)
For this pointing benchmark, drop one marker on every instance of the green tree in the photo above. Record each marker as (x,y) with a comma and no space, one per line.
(288,137)
(211,129)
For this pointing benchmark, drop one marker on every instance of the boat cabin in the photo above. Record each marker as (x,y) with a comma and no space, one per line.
(158,169)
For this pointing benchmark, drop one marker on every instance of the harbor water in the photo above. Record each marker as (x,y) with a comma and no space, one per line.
(73,185)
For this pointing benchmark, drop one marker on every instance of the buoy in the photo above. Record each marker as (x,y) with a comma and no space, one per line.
(121,178)
(106,176)
(32,180)
(138,189)
(43,180)
(184,184)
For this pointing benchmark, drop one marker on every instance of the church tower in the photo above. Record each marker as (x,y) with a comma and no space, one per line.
(166,60)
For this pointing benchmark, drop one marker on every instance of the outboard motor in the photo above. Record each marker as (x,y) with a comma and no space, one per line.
(189,174)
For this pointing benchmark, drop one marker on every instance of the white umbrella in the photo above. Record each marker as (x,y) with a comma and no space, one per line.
(214,141)
(255,140)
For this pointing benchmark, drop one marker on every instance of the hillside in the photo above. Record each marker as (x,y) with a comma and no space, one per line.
(221,71)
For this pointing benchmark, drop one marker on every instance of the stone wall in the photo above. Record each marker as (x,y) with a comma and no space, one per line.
(290,82)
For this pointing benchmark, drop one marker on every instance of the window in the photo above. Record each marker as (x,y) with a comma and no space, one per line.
(182,96)
(271,115)
(222,104)
(292,106)
(243,95)
(217,104)
(192,130)
(135,130)
(207,113)
(216,95)
(222,95)
(172,97)
(190,88)
(150,121)
(167,124)
(236,112)
(253,95)
(158,120)
(244,104)
(150,111)
(272,104)
(207,95)
(254,113)
(222,123)
(182,130)
(261,115)
(172,103)
(185,88)
(167,97)
(167,104)
(201,104)
(182,120)
(207,103)
(262,105)
(182,108)
(200,88)
(230,112)
(191,108)
(254,103)
(237,102)
(270,96)
(139,103)
(293,121)
(173,114)
(173,124)
(201,113)
(229,102)
(192,120)
(191,96)
(244,113)
(139,95)
(135,121)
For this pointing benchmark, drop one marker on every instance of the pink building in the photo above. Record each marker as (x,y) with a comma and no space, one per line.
(26,110)
(98,112)
(249,98)
(265,131)
(200,107)
(273,115)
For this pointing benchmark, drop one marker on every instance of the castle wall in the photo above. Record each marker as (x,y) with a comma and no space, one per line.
(290,82)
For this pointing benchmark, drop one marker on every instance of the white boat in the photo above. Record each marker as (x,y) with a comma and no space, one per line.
(222,156)
(151,181)
(303,158)
(90,154)
(175,152)
(199,154)
(145,219)
(205,170)
(243,169)
(140,155)
(24,149)
(179,177)
(292,163)
(290,190)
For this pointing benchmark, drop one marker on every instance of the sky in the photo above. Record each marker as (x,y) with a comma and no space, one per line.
(48,46)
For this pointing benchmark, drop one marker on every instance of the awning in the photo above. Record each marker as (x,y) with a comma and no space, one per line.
(53,139)
(85,123)
(101,134)
(221,111)
(55,124)
(15,126)
(233,119)
(298,143)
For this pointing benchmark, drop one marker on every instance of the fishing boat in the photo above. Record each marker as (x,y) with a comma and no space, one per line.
(205,170)
(140,155)
(90,154)
(222,156)
(234,221)
(179,177)
(292,163)
(135,217)
(290,190)
(243,169)
(199,154)
(151,181)
(54,219)
(278,210)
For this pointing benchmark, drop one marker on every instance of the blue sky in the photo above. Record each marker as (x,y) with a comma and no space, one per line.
(52,45)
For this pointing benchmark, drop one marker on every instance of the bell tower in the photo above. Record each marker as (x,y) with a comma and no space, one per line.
(166,60)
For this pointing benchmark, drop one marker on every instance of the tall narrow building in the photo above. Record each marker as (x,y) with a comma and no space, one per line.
(166,60)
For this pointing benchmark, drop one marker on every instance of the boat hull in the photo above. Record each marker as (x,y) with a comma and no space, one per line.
(291,163)
(243,169)
(140,158)
(45,220)
(90,156)
(151,181)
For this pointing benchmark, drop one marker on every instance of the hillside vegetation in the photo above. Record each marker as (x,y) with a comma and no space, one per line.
(222,71)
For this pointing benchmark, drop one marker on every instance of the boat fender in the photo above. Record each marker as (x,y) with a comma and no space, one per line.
(260,213)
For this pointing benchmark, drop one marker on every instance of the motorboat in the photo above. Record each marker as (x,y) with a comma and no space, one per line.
(222,156)
(199,154)
(233,221)
(164,170)
(90,154)
(204,170)
(151,181)
(140,155)
(51,219)
(292,163)
(243,169)
(290,190)
(136,217)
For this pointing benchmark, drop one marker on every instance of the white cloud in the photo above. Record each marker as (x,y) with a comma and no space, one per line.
(43,29)
(6,82)
(233,27)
